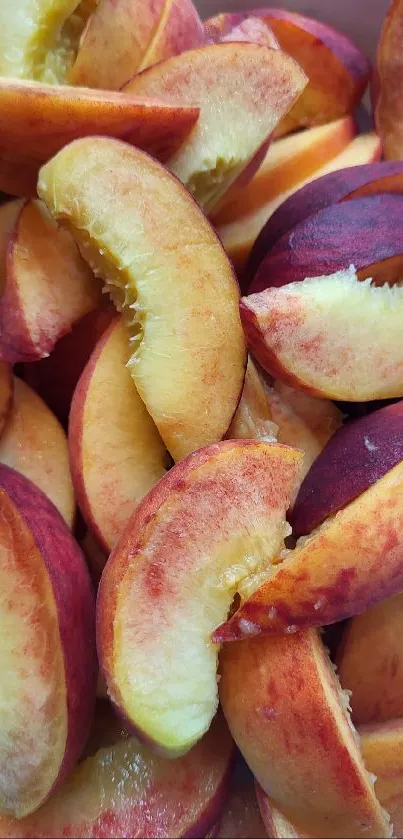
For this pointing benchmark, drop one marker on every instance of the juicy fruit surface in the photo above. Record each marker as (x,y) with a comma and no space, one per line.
(167,272)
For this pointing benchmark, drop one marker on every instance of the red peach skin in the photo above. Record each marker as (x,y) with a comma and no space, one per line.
(47,644)
(353,561)
(288,716)
(389,73)
(6,394)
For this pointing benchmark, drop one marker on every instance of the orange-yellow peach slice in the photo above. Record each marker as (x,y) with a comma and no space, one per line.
(370,664)
(34,443)
(47,647)
(57,115)
(287,714)
(204,532)
(250,29)
(253,416)
(116,452)
(120,789)
(352,561)
(382,749)
(6,394)
(243,90)
(332,336)
(387,105)
(165,268)
(131,36)
(47,285)
(276,824)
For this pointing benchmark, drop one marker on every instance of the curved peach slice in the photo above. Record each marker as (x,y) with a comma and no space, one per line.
(250,29)
(131,36)
(388,105)
(206,531)
(276,824)
(167,271)
(287,713)
(57,115)
(253,416)
(116,452)
(35,444)
(120,789)
(47,647)
(382,748)
(356,457)
(47,286)
(331,336)
(6,394)
(241,818)
(370,664)
(243,90)
(351,562)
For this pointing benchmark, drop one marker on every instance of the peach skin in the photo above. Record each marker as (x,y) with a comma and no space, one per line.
(6,394)
(161,676)
(116,453)
(288,716)
(167,272)
(382,748)
(351,562)
(47,645)
(34,443)
(388,74)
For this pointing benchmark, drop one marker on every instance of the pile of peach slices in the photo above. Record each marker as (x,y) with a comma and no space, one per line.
(201,493)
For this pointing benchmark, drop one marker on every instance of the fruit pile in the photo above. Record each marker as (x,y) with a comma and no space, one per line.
(201,493)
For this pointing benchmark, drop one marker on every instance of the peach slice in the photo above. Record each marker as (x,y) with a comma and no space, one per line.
(56,115)
(241,818)
(382,748)
(47,285)
(287,713)
(35,444)
(168,273)
(6,394)
(239,236)
(47,647)
(369,662)
(120,789)
(116,455)
(356,457)
(277,826)
(387,105)
(243,90)
(131,36)
(250,29)
(332,336)
(162,674)
(352,561)
(253,416)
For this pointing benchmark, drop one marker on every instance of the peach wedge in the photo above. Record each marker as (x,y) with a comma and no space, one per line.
(116,452)
(389,73)
(165,268)
(253,416)
(331,336)
(204,532)
(382,748)
(47,647)
(243,90)
(288,716)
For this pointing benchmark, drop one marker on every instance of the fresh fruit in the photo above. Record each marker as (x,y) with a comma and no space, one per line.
(387,102)
(47,285)
(332,336)
(56,115)
(131,36)
(6,394)
(243,90)
(277,826)
(35,445)
(356,457)
(349,563)
(206,531)
(382,748)
(250,29)
(165,268)
(47,647)
(116,452)
(121,789)
(253,416)
(241,818)
(287,714)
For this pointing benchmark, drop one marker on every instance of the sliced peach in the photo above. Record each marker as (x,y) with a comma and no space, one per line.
(243,90)
(287,713)
(332,336)
(173,562)
(6,394)
(131,36)
(253,416)
(241,818)
(388,105)
(250,29)
(47,647)
(276,824)
(169,274)
(47,286)
(116,452)
(120,789)
(56,115)
(35,444)
(382,748)
(348,564)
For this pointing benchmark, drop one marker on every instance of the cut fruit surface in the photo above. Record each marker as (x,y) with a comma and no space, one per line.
(253,417)
(222,514)
(116,452)
(382,748)
(35,444)
(287,714)
(166,270)
(331,336)
(243,89)
(6,394)
(277,826)
(47,647)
